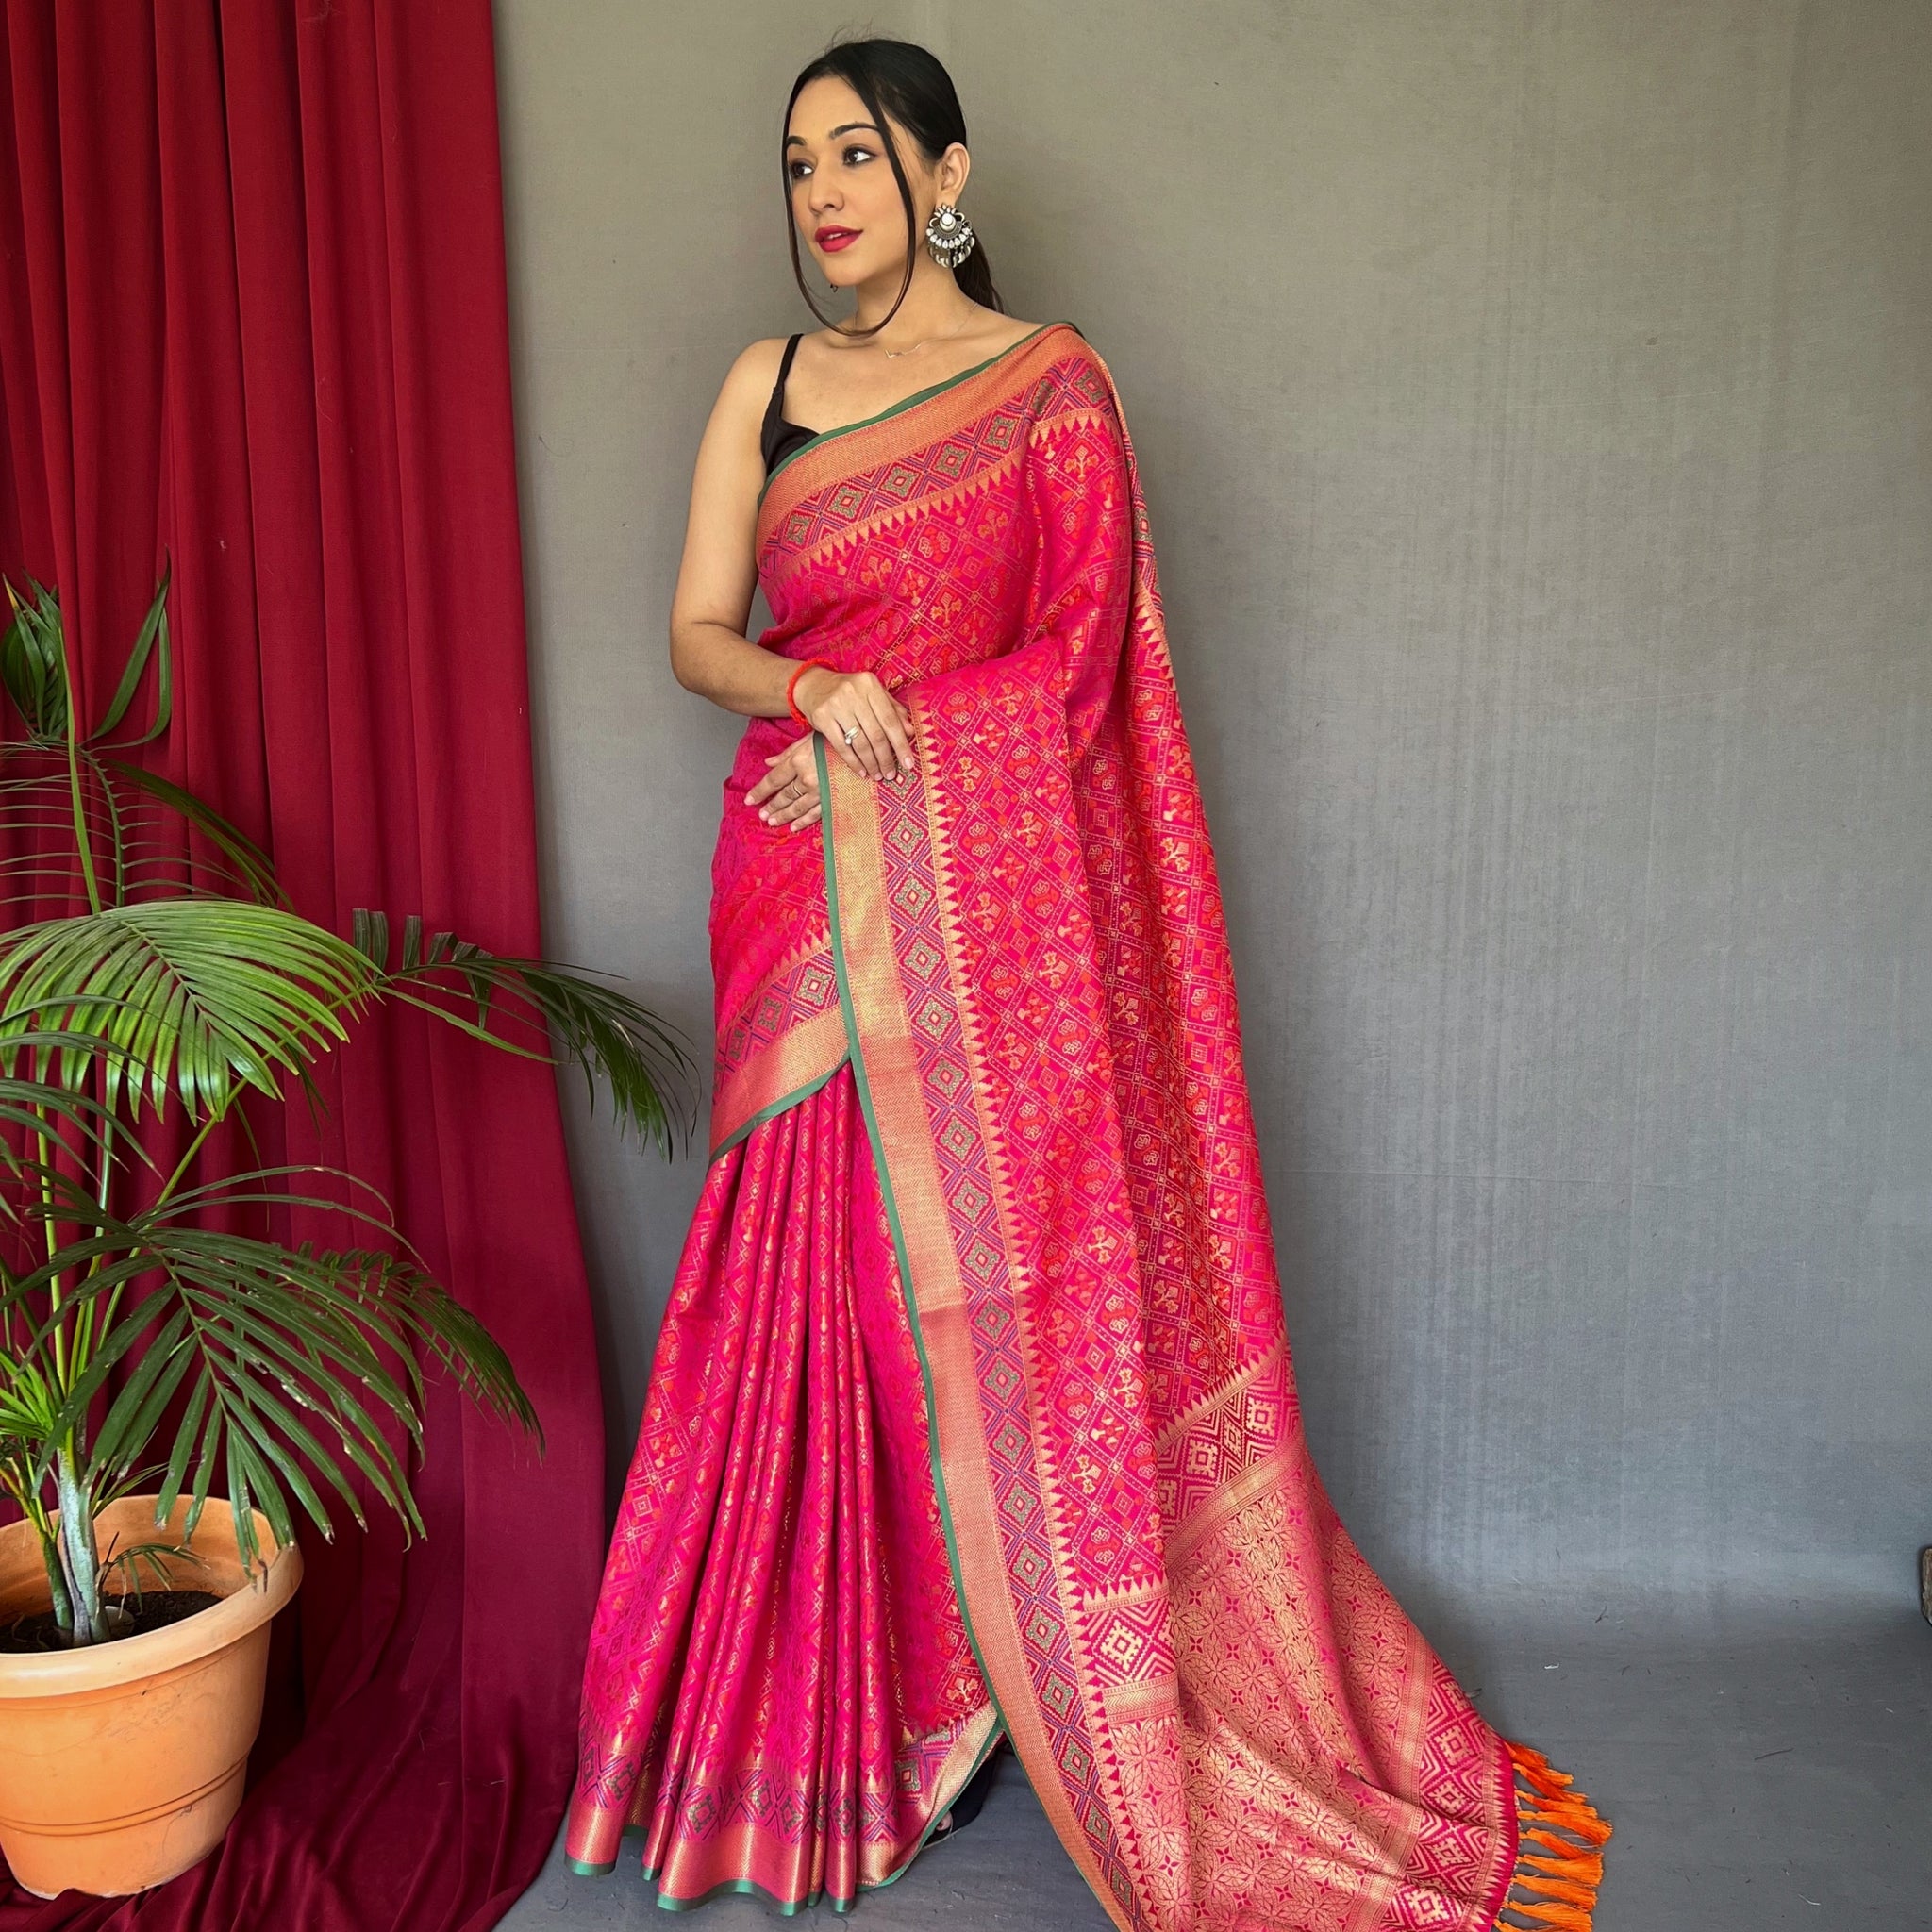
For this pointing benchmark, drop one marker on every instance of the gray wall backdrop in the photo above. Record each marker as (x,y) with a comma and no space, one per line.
(1533,401)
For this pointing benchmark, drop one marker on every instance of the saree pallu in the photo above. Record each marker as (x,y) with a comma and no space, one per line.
(1015,959)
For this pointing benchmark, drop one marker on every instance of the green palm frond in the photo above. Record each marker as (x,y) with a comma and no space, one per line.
(36,1107)
(33,661)
(34,672)
(609,1037)
(152,637)
(432,1318)
(161,1557)
(147,835)
(240,860)
(106,805)
(200,997)
(292,1377)
(298,1365)
(28,1403)
(523,1006)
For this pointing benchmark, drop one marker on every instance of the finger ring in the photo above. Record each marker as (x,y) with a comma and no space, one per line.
(851,732)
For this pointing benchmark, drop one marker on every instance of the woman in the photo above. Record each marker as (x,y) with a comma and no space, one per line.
(972,1414)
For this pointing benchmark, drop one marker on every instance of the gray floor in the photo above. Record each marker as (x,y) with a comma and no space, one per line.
(1762,1775)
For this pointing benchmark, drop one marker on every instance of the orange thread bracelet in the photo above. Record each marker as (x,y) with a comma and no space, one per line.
(799,718)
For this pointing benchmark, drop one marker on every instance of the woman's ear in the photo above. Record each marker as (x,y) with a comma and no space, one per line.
(953,167)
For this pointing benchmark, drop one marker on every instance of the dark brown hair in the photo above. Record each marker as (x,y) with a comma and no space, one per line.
(900,80)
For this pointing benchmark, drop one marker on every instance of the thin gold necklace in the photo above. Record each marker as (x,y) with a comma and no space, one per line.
(893,354)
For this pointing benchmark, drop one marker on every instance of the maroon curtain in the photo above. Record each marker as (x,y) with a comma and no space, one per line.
(252,318)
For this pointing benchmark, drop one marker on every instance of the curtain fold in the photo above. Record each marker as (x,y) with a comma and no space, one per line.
(252,324)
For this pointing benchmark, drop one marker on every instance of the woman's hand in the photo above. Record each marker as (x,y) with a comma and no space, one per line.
(838,701)
(791,784)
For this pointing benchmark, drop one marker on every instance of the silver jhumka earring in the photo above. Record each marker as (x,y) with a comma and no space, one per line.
(949,237)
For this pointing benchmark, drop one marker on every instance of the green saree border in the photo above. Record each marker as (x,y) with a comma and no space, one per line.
(825,435)
(778,1107)
(994,1733)
(789,1908)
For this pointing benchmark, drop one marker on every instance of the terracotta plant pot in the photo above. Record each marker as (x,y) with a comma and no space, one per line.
(121,1763)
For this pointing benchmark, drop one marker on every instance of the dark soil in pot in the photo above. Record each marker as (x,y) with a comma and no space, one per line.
(153,1610)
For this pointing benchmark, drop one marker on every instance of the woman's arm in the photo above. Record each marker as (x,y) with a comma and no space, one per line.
(710,653)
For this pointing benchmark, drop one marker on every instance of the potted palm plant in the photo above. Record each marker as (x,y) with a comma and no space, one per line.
(164,1342)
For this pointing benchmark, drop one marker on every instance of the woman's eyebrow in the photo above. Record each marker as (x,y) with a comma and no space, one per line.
(846,127)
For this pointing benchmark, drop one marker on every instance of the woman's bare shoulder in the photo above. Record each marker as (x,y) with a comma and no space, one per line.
(1004,332)
(740,410)
(754,371)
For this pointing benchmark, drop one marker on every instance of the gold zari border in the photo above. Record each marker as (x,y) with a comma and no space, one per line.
(864,447)
(809,1054)
(889,1073)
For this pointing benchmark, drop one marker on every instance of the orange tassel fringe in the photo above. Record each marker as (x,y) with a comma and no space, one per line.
(1557,1890)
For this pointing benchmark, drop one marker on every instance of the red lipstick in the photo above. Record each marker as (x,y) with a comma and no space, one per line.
(831,240)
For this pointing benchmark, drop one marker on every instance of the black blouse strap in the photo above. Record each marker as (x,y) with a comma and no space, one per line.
(774,409)
(776,437)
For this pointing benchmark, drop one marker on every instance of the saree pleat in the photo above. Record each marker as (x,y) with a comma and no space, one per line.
(797,1659)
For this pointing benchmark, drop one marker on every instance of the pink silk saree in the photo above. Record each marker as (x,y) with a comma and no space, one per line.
(1027,1454)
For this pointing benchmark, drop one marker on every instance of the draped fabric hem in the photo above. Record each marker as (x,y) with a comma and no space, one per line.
(779,1694)
(943,1796)
(804,1091)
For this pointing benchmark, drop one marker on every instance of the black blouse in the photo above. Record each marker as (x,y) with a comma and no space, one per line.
(778,438)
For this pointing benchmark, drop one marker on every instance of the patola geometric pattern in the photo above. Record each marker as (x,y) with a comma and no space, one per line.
(1229,1720)
(784,1033)
(800,990)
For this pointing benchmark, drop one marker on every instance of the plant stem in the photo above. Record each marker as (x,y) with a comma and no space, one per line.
(78,1553)
(57,1580)
(173,1180)
(84,1343)
(48,1223)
